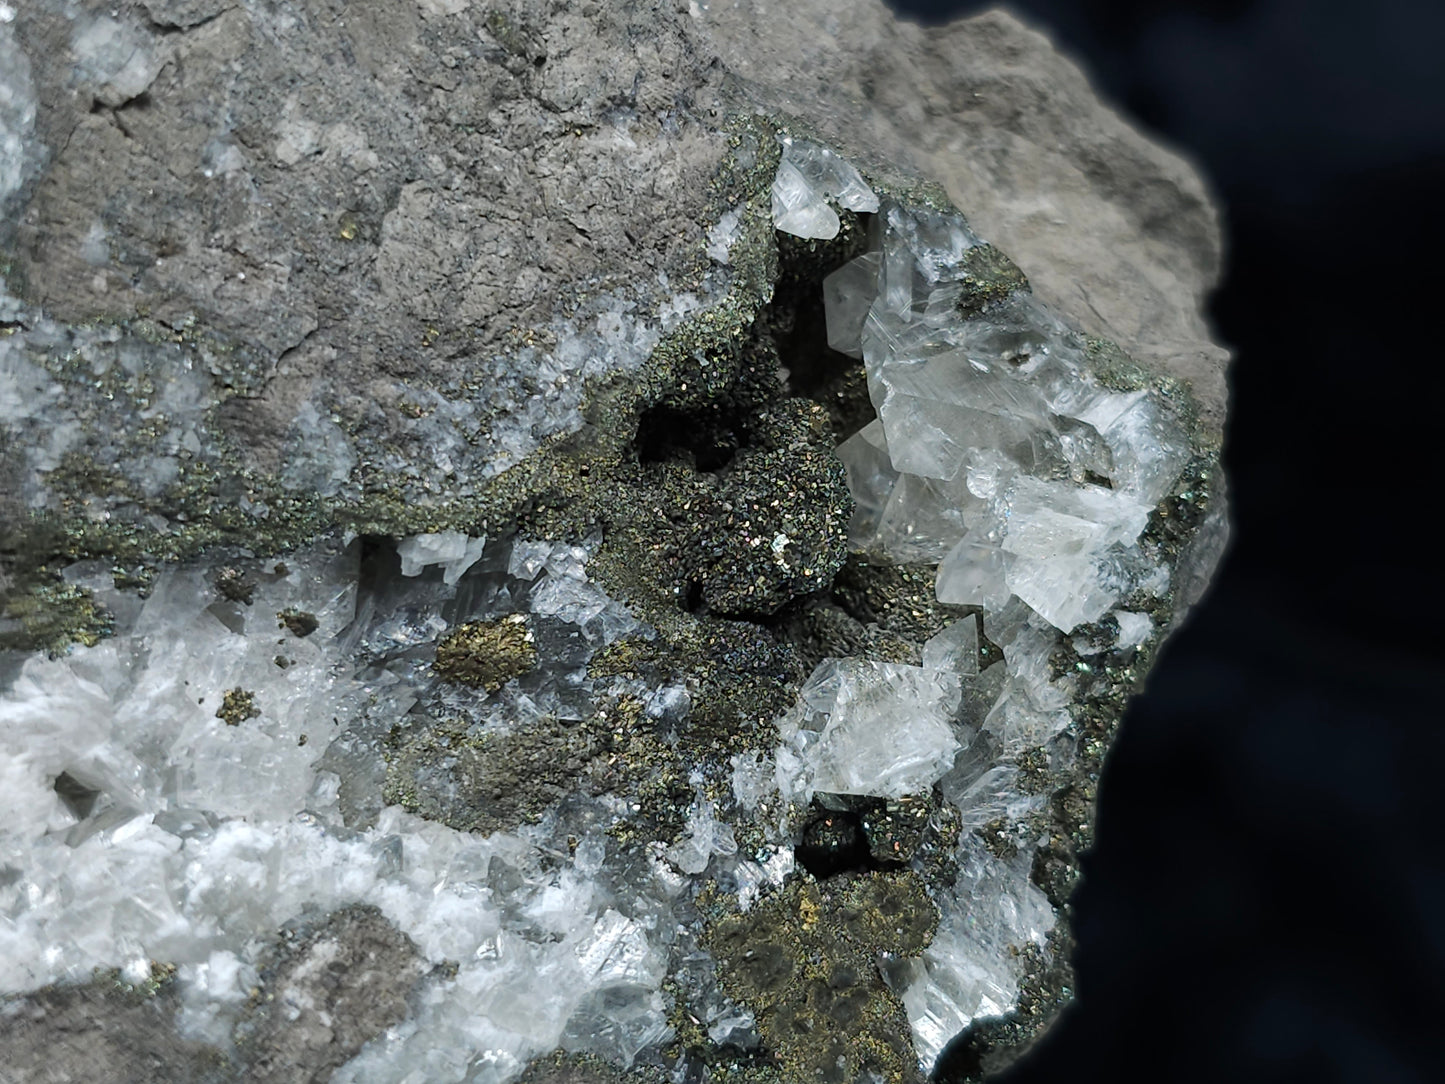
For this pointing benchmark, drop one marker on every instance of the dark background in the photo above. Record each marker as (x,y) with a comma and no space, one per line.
(1266,900)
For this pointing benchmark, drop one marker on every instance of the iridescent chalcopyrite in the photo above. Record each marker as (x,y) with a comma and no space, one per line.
(706,679)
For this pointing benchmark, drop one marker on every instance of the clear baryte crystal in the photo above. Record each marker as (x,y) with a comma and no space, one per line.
(924,517)
(453,550)
(808,176)
(955,649)
(1007,463)
(875,728)
(847,296)
(871,479)
(799,207)
(973,574)
(968,971)
(1065,591)
(722,237)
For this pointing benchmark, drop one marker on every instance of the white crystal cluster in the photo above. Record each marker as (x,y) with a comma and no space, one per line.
(211,755)
(809,177)
(871,728)
(998,456)
(200,838)
(995,452)
(454,551)
(970,970)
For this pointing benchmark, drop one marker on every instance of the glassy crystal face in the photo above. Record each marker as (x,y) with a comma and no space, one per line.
(809,177)
(996,450)
(874,728)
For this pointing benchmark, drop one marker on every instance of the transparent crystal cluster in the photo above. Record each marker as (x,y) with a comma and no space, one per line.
(873,728)
(995,453)
(215,768)
(870,728)
(999,456)
(809,177)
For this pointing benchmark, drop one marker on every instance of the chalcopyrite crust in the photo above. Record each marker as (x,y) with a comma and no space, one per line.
(572,542)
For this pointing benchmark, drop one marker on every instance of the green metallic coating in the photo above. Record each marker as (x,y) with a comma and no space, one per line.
(805,961)
(49,615)
(490,782)
(486,654)
(562,1068)
(988,276)
(237,705)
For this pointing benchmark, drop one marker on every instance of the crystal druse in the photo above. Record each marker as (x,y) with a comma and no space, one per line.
(552,560)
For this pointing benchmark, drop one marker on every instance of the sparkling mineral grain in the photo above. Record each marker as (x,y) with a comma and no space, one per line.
(538,544)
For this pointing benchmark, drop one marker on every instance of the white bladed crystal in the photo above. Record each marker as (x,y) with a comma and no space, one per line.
(1149,450)
(453,550)
(1065,591)
(752,779)
(808,176)
(875,728)
(972,969)
(799,208)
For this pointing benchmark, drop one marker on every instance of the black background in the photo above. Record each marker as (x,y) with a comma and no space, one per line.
(1266,899)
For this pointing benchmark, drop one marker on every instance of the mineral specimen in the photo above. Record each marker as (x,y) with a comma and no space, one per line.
(535,552)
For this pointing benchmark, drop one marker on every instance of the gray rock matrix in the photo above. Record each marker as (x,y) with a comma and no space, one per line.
(360,212)
(281,272)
